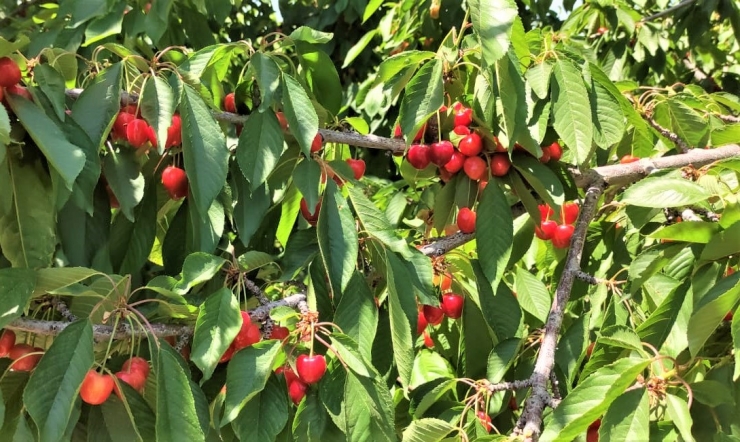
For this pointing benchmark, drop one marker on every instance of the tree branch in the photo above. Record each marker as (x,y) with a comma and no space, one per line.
(668,11)
(680,144)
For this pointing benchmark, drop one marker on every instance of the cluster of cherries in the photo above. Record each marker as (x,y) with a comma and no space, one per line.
(468,155)
(97,387)
(450,306)
(24,356)
(549,229)
(248,335)
(309,369)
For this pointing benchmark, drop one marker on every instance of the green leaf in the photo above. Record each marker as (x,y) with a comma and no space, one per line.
(591,398)
(663,192)
(538,77)
(263,417)
(177,419)
(321,75)
(17,286)
(711,310)
(27,232)
(501,309)
(4,132)
(357,314)
(696,231)
(219,321)
(493,21)
(494,228)
(198,268)
(55,383)
(310,420)
(51,88)
(723,244)
(628,418)
(260,146)
(308,35)
(99,103)
(131,242)
(357,49)
(423,97)
(532,294)
(375,223)
(66,158)
(572,110)
(158,103)
(250,208)
(658,325)
(253,260)
(337,238)
(350,354)
(502,357)
(607,115)
(514,104)
(125,179)
(681,120)
(300,113)
(542,179)
(712,393)
(427,430)
(247,375)
(204,150)
(678,411)
(369,412)
(403,316)
(8,47)
(434,396)
(267,74)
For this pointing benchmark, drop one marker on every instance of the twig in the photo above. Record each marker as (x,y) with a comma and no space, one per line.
(256,290)
(680,144)
(62,308)
(504,386)
(668,11)
(689,215)
(583,276)
(728,118)
(444,244)
(125,331)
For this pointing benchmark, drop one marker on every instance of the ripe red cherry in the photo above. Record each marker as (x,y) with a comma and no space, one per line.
(433,315)
(282,120)
(728,316)
(569,212)
(7,341)
(545,211)
(466,220)
(131,109)
(602,30)
(10,73)
(471,145)
(428,341)
(174,132)
(249,334)
(419,156)
(151,135)
(562,235)
(21,362)
(312,218)
(310,368)
(452,305)
(297,391)
(629,159)
(289,374)
(444,175)
(456,163)
(463,116)
(592,434)
(499,147)
(279,332)
(590,349)
(500,164)
(444,281)
(546,229)
(96,387)
(545,155)
(227,354)
(421,323)
(175,180)
(441,152)
(137,132)
(230,103)
(462,130)
(419,135)
(19,90)
(556,152)
(136,364)
(136,380)
(358,167)
(121,122)
(397,131)
(485,420)
(317,143)
(475,168)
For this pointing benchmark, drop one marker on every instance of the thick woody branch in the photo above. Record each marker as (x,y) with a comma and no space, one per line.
(442,245)
(531,420)
(125,331)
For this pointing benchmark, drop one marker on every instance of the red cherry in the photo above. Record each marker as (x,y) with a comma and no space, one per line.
(282,120)
(546,230)
(289,374)
(556,152)
(441,152)
(569,212)
(590,349)
(7,341)
(420,134)
(475,168)
(463,116)
(230,103)
(397,131)
(500,164)
(482,185)
(251,336)
(433,315)
(358,167)
(310,368)
(444,175)
(174,132)
(513,405)
(466,220)
(279,332)
(461,130)
(728,316)
(499,147)
(444,282)
(421,323)
(21,362)
(135,379)
(297,391)
(131,109)
(442,109)
(452,305)
(471,145)
(137,132)
(10,73)
(17,89)
(602,30)
(545,158)
(121,122)
(227,354)
(175,180)
(96,387)
(419,156)
(136,364)
(317,143)
(545,211)
(312,218)
(592,434)
(562,235)
(456,163)
(629,159)
(485,420)
(151,135)
(428,341)
(2,95)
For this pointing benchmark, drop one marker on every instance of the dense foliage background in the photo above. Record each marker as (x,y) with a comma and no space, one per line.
(183,220)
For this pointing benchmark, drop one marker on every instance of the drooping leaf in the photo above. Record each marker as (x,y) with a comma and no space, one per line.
(369,412)
(176,414)
(357,314)
(494,228)
(260,146)
(99,103)
(427,430)
(423,97)
(493,22)
(158,103)
(125,180)
(403,316)
(627,418)
(268,78)
(17,286)
(300,113)
(218,323)
(247,375)
(321,74)
(571,110)
(532,294)
(375,223)
(265,415)
(337,238)
(514,104)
